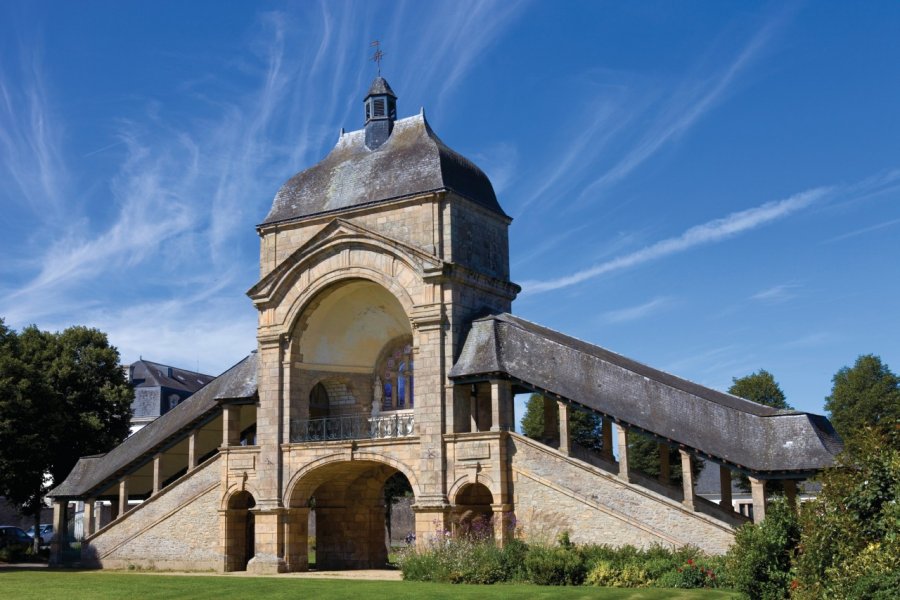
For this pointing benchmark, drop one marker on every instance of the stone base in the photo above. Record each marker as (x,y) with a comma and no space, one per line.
(265,564)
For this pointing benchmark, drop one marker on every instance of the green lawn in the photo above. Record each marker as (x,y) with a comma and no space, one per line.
(95,585)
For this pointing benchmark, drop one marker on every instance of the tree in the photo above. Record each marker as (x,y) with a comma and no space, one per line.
(866,395)
(62,396)
(759,387)
(584,426)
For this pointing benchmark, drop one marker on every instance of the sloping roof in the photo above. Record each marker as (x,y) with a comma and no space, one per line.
(412,161)
(92,474)
(145,373)
(750,435)
(380,86)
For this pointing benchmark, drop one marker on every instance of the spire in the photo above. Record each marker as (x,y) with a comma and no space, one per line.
(381,112)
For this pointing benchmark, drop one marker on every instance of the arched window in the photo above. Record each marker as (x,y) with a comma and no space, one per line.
(395,371)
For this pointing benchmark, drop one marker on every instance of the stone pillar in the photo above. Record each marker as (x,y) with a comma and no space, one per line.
(551,422)
(192,451)
(758,491)
(60,526)
(565,440)
(473,410)
(665,471)
(430,523)
(268,545)
(113,511)
(725,487)
(501,396)
(623,452)
(687,478)
(98,517)
(157,474)
(296,539)
(231,423)
(504,523)
(123,497)
(790,493)
(88,517)
(606,431)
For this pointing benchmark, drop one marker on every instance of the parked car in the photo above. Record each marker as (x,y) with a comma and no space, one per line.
(45,531)
(14,538)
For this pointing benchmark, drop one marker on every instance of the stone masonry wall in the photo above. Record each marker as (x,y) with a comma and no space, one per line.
(554,493)
(175,530)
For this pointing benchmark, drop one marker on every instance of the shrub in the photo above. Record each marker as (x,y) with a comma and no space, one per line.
(759,562)
(605,574)
(554,566)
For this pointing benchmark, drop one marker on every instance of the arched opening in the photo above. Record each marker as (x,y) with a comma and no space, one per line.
(473,515)
(347,504)
(354,354)
(239,531)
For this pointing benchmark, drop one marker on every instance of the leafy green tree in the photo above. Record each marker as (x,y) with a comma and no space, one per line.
(759,387)
(850,533)
(62,396)
(584,427)
(759,562)
(866,395)
(643,456)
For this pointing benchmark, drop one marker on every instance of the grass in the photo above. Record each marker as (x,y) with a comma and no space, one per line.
(98,585)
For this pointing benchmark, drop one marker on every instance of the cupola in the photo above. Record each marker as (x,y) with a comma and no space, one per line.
(381,112)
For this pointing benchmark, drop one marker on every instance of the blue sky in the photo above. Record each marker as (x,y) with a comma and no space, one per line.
(707,187)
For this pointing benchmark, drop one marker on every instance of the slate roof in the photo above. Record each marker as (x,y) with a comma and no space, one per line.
(380,87)
(752,436)
(92,474)
(145,373)
(412,161)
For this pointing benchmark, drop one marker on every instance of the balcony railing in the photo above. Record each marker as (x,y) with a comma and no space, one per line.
(353,427)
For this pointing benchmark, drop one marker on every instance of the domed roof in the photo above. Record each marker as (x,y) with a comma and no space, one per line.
(413,160)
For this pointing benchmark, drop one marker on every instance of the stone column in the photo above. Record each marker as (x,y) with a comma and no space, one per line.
(473,410)
(157,475)
(87,517)
(790,493)
(192,451)
(123,497)
(623,452)
(665,471)
(60,526)
(268,545)
(687,478)
(296,539)
(758,491)
(430,523)
(565,440)
(606,431)
(231,422)
(503,523)
(551,422)
(501,396)
(98,517)
(725,487)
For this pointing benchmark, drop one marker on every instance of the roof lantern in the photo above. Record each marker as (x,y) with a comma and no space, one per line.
(381,112)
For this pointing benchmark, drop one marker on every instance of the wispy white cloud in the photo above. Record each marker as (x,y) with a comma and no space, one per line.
(706,233)
(863,231)
(31,137)
(776,293)
(684,109)
(811,340)
(634,313)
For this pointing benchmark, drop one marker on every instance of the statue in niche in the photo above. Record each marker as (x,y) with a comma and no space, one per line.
(378,397)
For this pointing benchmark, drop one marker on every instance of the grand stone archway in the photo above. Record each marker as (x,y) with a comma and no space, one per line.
(346,499)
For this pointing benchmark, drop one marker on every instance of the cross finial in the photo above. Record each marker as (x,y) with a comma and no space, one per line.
(377,55)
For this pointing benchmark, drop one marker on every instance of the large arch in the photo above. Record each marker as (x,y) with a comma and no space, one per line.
(346,498)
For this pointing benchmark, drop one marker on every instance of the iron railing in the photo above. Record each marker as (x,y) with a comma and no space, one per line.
(353,427)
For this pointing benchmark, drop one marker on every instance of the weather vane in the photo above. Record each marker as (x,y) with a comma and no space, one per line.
(378,55)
